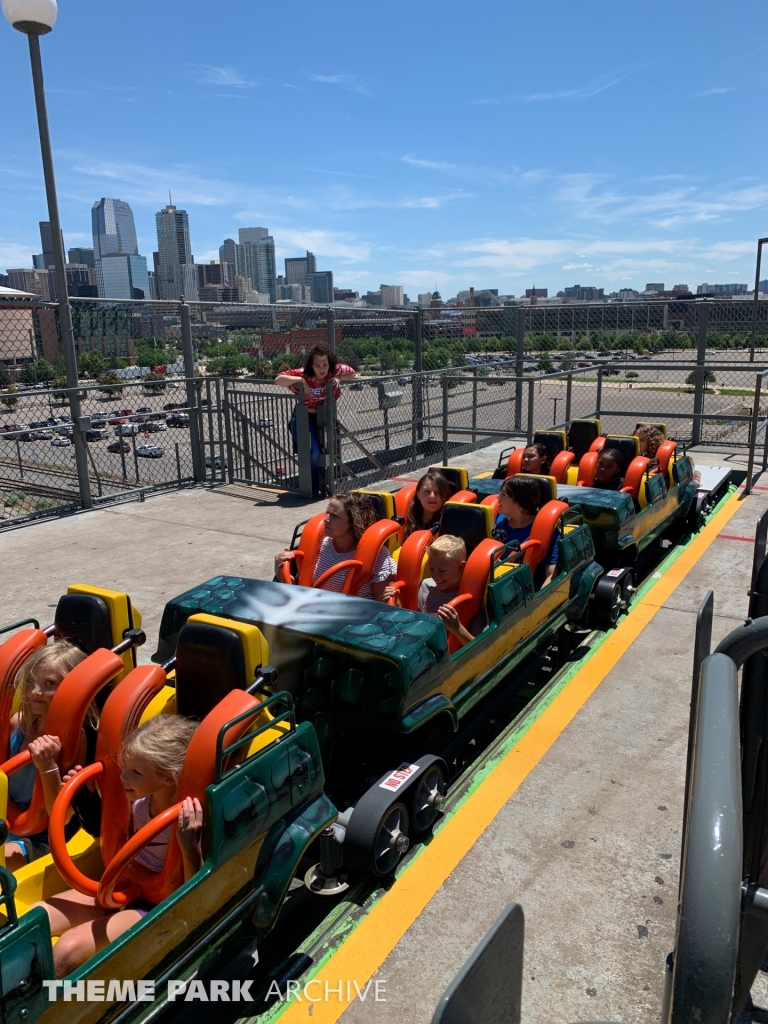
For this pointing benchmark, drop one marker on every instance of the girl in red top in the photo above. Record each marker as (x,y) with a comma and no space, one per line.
(320,368)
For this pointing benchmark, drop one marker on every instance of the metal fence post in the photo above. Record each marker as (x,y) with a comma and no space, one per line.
(474,404)
(198,464)
(444,382)
(302,447)
(331,315)
(753,433)
(531,390)
(599,399)
(519,368)
(760,242)
(331,438)
(418,381)
(230,460)
(700,371)
(568,396)
(65,314)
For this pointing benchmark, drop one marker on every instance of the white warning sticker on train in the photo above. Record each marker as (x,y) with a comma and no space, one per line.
(400,775)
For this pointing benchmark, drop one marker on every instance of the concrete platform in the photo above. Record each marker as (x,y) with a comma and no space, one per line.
(589,840)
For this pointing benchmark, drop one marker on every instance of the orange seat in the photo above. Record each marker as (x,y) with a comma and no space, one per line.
(66,717)
(560,464)
(13,653)
(120,715)
(403,499)
(587,468)
(118,847)
(305,555)
(598,444)
(493,503)
(361,561)
(464,497)
(409,567)
(633,478)
(474,582)
(664,453)
(541,539)
(515,462)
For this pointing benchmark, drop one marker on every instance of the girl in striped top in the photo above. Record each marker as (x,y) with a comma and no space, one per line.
(347,518)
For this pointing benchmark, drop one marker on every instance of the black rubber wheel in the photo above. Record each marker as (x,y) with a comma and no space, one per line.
(390,841)
(607,603)
(426,798)
(627,590)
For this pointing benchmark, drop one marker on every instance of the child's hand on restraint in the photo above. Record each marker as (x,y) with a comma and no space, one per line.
(189,829)
(450,617)
(45,752)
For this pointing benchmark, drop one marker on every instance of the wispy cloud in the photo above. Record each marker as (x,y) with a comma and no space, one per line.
(210,75)
(476,172)
(579,92)
(344,79)
(719,91)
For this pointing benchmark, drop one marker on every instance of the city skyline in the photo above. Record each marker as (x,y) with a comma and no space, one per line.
(589,157)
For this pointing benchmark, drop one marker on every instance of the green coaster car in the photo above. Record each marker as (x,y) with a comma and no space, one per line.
(258,773)
(383,691)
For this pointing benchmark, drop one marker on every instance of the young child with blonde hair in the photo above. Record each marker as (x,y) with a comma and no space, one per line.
(36,682)
(447,558)
(151,759)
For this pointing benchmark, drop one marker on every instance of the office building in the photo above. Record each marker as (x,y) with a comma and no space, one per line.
(30,280)
(536,293)
(84,257)
(345,295)
(321,284)
(176,264)
(152,284)
(391,294)
(424,298)
(586,294)
(46,239)
(113,229)
(372,298)
(299,269)
(722,289)
(227,258)
(209,274)
(81,280)
(655,287)
(122,277)
(255,259)
(38,261)
(627,295)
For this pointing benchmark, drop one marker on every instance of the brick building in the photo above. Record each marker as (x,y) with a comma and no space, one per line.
(296,341)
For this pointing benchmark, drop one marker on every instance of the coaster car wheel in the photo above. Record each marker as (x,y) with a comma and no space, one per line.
(390,841)
(428,798)
(607,601)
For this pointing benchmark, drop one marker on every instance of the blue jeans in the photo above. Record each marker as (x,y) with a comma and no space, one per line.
(314,449)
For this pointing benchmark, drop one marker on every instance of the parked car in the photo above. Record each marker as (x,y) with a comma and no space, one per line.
(61,442)
(150,451)
(153,427)
(216,462)
(127,412)
(173,405)
(144,408)
(178,419)
(97,434)
(127,430)
(116,446)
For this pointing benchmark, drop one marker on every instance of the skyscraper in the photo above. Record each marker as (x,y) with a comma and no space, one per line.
(83,256)
(227,258)
(321,283)
(298,270)
(114,231)
(122,276)
(177,269)
(255,259)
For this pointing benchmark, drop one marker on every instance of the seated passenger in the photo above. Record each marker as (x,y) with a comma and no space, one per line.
(347,518)
(536,459)
(151,759)
(650,438)
(447,558)
(519,501)
(608,471)
(37,681)
(432,492)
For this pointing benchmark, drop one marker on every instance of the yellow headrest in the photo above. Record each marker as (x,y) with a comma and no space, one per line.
(122,615)
(383,502)
(547,485)
(255,647)
(455,475)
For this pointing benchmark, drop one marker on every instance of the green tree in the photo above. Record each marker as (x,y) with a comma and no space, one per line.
(227,366)
(5,376)
(584,345)
(57,383)
(631,373)
(91,363)
(709,378)
(155,383)
(109,382)
(9,398)
(545,364)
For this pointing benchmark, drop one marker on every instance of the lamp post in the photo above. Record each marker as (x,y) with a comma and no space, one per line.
(36,18)
(760,243)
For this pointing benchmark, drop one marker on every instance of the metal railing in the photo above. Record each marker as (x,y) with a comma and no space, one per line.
(623,362)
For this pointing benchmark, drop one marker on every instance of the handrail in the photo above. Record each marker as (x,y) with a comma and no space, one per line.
(707,944)
(289,715)
(21,622)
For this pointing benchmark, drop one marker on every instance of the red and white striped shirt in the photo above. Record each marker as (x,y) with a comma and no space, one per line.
(383,570)
(316,389)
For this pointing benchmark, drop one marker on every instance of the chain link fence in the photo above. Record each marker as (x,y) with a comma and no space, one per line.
(432,384)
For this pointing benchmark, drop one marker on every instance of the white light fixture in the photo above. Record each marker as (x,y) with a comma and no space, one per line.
(31,16)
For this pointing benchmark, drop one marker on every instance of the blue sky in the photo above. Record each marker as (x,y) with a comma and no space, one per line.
(424,144)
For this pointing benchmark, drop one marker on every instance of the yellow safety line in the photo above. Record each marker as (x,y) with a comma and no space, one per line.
(378,933)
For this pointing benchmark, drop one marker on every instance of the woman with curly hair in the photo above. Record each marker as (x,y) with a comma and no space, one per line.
(347,518)
(320,369)
(650,438)
(432,492)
